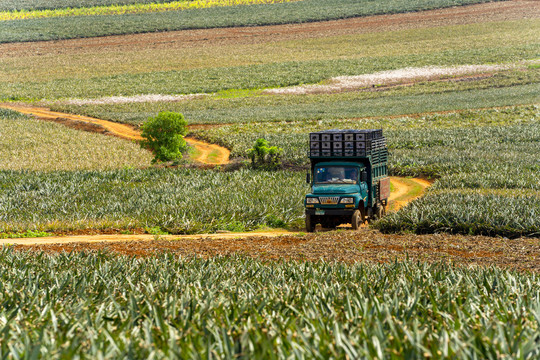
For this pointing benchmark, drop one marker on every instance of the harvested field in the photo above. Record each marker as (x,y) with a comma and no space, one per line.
(342,246)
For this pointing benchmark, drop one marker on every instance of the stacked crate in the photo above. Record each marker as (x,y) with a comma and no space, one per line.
(349,143)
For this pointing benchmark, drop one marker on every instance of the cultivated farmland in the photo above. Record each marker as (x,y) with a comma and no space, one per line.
(283,13)
(455,85)
(29,144)
(497,52)
(222,307)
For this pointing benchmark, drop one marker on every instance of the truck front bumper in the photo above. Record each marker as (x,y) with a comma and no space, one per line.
(336,212)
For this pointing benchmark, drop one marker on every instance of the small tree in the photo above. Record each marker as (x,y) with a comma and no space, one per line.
(164,135)
(264,156)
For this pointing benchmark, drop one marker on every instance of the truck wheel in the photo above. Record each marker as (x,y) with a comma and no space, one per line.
(310,225)
(357,219)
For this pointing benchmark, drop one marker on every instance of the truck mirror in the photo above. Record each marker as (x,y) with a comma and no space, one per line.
(308,178)
(363,176)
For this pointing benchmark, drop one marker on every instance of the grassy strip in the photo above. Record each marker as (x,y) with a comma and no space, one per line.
(29,144)
(25,234)
(127,9)
(92,304)
(303,11)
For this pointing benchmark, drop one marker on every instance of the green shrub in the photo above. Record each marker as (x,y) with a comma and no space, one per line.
(164,135)
(265,157)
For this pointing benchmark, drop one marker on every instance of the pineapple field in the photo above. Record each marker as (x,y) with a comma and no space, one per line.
(108,255)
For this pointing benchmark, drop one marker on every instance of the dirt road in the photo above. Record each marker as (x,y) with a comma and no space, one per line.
(209,154)
(136,237)
(346,246)
(405,190)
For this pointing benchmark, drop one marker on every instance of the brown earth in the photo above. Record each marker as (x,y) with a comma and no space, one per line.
(405,191)
(344,246)
(493,11)
(208,154)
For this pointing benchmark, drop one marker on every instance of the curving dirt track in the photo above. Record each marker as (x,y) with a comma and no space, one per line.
(406,190)
(208,154)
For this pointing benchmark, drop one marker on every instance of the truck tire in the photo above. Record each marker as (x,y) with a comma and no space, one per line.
(310,225)
(357,219)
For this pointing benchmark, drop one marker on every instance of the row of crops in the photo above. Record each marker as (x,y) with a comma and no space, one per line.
(177,201)
(283,13)
(17,5)
(136,8)
(486,163)
(105,306)
(466,129)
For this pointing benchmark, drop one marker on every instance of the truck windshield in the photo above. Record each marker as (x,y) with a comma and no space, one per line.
(336,175)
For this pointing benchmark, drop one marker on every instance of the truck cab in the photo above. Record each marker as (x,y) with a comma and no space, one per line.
(346,186)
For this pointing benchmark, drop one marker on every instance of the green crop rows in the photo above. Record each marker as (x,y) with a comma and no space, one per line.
(501,90)
(14,5)
(103,306)
(215,79)
(303,11)
(404,134)
(486,161)
(177,201)
(29,144)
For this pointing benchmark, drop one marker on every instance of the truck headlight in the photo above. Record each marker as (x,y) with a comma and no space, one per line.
(312,200)
(347,200)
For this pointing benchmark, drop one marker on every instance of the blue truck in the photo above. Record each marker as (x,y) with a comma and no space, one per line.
(348,177)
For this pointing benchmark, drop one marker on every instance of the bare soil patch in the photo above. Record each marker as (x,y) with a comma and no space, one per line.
(343,246)
(405,191)
(495,11)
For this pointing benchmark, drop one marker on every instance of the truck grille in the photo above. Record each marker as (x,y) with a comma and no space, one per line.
(326,200)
